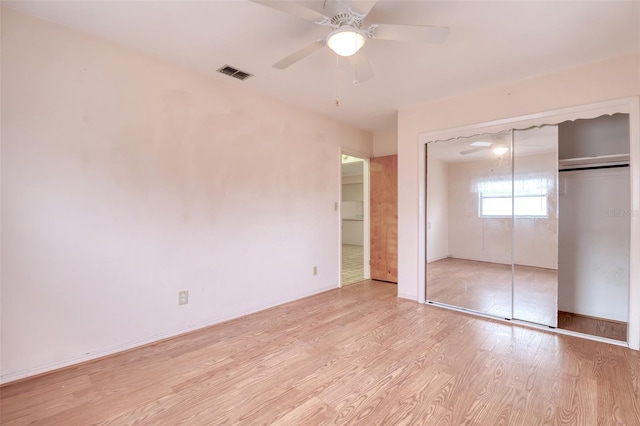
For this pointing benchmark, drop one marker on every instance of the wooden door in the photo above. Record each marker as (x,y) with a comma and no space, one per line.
(384,218)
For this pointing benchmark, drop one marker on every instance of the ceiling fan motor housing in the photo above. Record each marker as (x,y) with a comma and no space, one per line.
(348,18)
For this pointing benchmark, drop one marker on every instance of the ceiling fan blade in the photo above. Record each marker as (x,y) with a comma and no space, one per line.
(361,66)
(421,33)
(469,151)
(300,54)
(293,9)
(362,6)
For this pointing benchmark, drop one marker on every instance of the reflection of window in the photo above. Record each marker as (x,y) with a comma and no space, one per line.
(532,204)
(529,195)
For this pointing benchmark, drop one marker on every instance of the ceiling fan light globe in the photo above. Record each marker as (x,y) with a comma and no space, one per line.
(346,41)
(499,150)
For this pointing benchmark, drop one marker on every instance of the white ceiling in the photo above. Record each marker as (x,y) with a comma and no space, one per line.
(490,43)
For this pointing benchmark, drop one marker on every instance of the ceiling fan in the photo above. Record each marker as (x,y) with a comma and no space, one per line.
(347,36)
(496,148)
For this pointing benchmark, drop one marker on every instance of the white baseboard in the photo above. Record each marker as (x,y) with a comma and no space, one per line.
(45,368)
(437,258)
(411,297)
(591,313)
(555,268)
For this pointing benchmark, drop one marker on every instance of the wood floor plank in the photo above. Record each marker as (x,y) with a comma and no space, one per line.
(595,326)
(356,355)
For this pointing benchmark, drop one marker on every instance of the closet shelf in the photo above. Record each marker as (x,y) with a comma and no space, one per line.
(594,161)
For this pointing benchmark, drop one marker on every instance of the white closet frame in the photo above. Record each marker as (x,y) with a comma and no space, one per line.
(629,105)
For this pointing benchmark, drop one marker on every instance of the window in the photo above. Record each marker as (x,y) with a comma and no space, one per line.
(525,205)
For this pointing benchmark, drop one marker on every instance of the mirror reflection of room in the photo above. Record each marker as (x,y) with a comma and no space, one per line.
(492,224)
(534,225)
(469,227)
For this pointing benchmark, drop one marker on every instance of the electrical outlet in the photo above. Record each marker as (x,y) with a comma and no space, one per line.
(315,270)
(183,297)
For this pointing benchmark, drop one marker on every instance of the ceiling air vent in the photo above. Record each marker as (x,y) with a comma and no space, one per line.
(234,72)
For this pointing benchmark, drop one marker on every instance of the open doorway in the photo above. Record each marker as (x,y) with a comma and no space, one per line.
(354,212)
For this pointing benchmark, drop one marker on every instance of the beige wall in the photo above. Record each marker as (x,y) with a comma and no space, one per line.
(126,180)
(594,249)
(385,142)
(614,78)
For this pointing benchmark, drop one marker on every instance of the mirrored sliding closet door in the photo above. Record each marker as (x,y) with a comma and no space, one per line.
(469,223)
(492,224)
(534,225)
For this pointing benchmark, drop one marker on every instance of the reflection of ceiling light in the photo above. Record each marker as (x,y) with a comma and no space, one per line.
(479,143)
(349,159)
(499,150)
(346,41)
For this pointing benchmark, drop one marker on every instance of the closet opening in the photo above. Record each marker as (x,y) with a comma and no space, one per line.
(594,226)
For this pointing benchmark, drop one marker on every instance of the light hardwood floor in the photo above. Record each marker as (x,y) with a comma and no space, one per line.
(356,355)
(486,287)
(594,326)
(479,286)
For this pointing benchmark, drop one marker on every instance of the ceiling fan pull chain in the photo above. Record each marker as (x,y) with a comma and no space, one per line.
(337,84)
